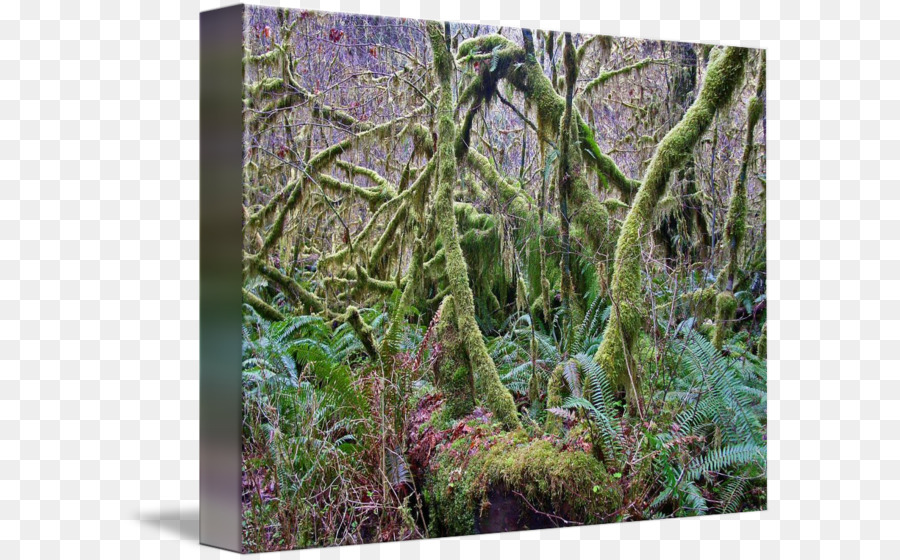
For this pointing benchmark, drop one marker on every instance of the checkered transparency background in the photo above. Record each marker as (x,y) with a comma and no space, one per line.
(99,279)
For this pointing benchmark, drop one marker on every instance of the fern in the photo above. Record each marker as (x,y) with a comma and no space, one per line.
(599,407)
(722,392)
(495,57)
(718,459)
(733,492)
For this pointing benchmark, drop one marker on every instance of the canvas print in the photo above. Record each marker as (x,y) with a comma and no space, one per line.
(496,279)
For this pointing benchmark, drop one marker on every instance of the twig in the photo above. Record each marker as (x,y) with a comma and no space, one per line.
(550,515)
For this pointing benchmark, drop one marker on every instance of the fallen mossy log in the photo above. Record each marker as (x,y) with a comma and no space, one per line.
(475,478)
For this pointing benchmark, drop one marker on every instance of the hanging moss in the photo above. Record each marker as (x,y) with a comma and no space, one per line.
(614,355)
(389,235)
(536,386)
(592,217)
(289,197)
(736,219)
(419,186)
(411,291)
(488,386)
(515,200)
(566,170)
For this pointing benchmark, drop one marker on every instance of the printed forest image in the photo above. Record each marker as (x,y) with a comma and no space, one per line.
(497,279)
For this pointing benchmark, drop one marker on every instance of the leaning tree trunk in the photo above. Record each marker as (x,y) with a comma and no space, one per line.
(736,219)
(614,355)
(487,382)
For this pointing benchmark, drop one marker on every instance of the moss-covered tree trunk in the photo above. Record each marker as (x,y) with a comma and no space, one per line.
(565,179)
(736,219)
(723,76)
(487,382)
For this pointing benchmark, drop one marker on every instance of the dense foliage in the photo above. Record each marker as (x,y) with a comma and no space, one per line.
(496,279)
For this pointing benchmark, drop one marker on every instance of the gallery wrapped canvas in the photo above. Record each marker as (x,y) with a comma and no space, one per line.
(460,279)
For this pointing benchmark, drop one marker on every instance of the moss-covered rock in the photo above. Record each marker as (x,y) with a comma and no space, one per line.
(488,482)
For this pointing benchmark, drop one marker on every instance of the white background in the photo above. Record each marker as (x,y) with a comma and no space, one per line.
(99,279)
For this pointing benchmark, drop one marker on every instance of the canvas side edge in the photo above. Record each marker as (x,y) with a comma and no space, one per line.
(221,129)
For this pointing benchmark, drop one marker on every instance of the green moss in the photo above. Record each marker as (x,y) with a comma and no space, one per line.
(487,382)
(468,217)
(736,219)
(706,328)
(403,199)
(726,305)
(264,309)
(371,174)
(604,77)
(459,391)
(570,484)
(592,217)
(265,86)
(452,373)
(702,301)
(514,199)
(291,195)
(435,265)
(761,346)
(288,285)
(527,76)
(375,197)
(613,204)
(614,355)
(389,235)
(603,163)
(363,332)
